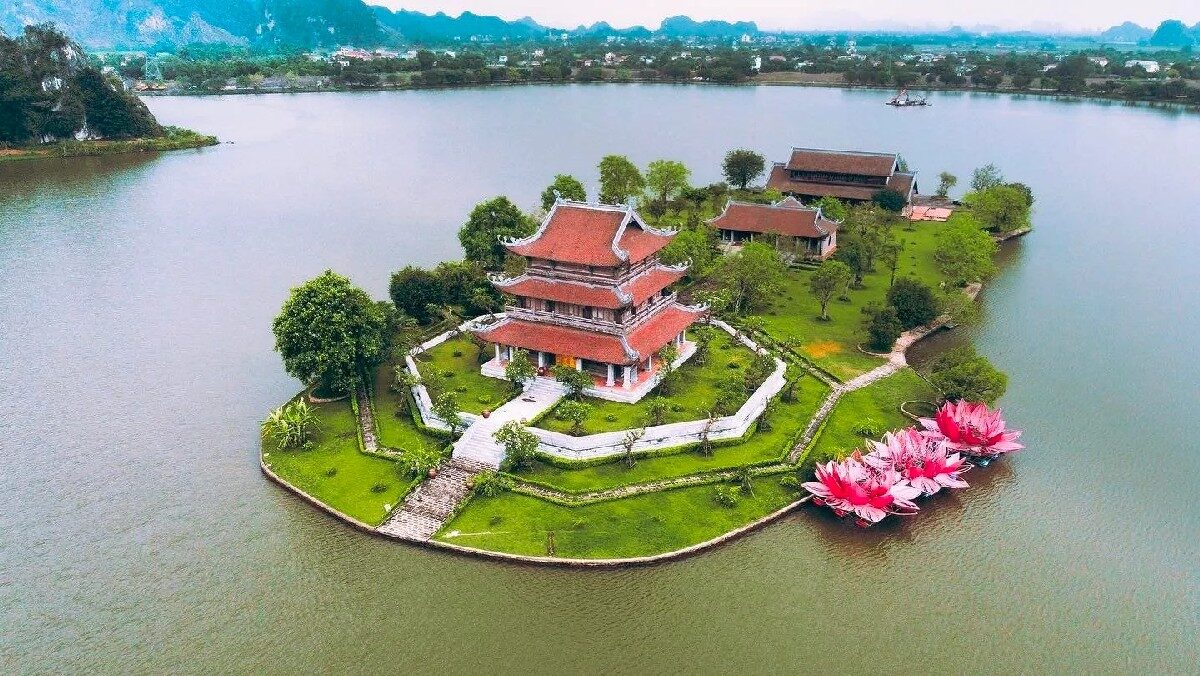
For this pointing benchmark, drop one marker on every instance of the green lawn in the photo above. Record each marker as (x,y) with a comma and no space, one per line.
(787,421)
(637,526)
(394,425)
(875,406)
(833,344)
(349,489)
(454,365)
(692,398)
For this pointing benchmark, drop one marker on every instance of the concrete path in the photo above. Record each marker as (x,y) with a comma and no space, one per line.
(477,444)
(430,505)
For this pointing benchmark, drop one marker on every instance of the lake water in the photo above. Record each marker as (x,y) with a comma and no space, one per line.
(136,295)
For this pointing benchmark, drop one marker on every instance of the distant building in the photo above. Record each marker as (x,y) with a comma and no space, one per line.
(1148,66)
(757,65)
(847,175)
(1099,61)
(797,230)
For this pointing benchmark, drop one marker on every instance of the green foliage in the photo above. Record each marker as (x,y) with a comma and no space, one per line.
(831,278)
(291,425)
(731,394)
(414,290)
(520,369)
(965,252)
(946,181)
(519,444)
(566,187)
(752,276)
(488,223)
(656,410)
(862,239)
(449,291)
(331,330)
(889,200)
(987,176)
(963,373)
(742,166)
(914,301)
(833,208)
(417,461)
(619,179)
(628,442)
(883,328)
(448,409)
(491,484)
(667,178)
(574,380)
(698,246)
(1002,208)
(574,411)
(667,373)
(868,428)
(726,496)
(759,370)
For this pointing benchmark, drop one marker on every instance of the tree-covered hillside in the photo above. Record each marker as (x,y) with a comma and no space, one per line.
(49,92)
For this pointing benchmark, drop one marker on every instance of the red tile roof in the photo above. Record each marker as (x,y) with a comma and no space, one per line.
(782,181)
(584,234)
(645,285)
(651,336)
(645,339)
(842,162)
(563,292)
(556,339)
(787,217)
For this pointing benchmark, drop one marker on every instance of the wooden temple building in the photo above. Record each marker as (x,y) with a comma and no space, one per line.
(593,297)
(797,231)
(850,176)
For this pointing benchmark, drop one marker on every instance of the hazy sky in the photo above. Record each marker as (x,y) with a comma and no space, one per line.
(817,14)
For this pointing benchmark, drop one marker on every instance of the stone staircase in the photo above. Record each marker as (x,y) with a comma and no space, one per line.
(432,503)
(478,445)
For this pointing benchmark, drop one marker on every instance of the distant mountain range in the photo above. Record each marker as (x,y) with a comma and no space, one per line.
(327,23)
(301,23)
(1170,33)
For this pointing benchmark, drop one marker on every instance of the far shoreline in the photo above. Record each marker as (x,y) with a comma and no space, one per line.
(1033,93)
(174,139)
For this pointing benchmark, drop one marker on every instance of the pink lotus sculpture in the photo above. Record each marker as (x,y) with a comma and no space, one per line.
(923,460)
(850,486)
(973,429)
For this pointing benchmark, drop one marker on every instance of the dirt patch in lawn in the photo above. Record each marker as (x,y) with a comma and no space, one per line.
(822,348)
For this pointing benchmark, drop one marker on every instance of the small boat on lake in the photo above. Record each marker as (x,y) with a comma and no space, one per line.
(903,100)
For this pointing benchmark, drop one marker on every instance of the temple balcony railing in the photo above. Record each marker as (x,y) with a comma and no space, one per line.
(600,325)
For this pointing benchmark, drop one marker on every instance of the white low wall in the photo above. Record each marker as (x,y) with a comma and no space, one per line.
(673,434)
(609,443)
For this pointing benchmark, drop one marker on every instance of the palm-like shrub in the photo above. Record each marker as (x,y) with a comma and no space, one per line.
(291,425)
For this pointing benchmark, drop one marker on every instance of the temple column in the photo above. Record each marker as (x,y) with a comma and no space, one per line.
(541,359)
(497,351)
(649,363)
(626,375)
(578,364)
(611,373)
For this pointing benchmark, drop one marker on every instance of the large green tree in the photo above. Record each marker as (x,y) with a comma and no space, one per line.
(619,179)
(414,290)
(565,186)
(489,222)
(752,276)
(698,246)
(862,239)
(963,373)
(828,280)
(667,178)
(1002,208)
(965,252)
(915,302)
(330,330)
(742,166)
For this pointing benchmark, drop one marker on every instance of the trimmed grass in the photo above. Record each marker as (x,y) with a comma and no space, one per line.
(637,526)
(394,425)
(876,406)
(349,489)
(833,344)
(787,422)
(695,392)
(454,365)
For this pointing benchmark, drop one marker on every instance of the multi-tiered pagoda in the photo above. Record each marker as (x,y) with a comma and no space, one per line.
(593,297)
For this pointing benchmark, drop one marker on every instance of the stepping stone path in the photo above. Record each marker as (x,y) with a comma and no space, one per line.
(431,504)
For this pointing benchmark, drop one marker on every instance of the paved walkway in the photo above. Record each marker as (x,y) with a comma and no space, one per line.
(477,444)
(432,503)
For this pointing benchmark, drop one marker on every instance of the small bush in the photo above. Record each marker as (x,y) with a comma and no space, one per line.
(734,365)
(869,427)
(379,488)
(609,418)
(447,374)
(331,472)
(496,520)
(726,496)
(458,353)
